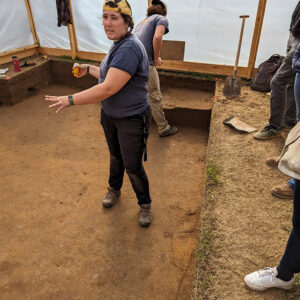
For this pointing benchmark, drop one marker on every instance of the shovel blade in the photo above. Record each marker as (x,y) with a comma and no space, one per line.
(232,87)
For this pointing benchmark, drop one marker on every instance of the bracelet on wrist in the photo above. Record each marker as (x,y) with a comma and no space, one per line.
(71,99)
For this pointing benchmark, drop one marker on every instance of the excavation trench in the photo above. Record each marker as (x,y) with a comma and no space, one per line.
(57,242)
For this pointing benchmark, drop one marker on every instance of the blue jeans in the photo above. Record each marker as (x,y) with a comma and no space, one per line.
(292,183)
(297,95)
(291,258)
(125,138)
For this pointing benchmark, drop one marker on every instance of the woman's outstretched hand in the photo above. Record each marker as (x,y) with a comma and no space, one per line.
(59,102)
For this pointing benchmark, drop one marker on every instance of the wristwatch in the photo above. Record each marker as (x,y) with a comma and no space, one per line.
(71,100)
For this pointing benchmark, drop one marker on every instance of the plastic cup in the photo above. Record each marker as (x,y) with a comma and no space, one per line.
(76,70)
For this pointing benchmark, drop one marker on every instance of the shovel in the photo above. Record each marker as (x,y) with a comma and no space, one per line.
(232,85)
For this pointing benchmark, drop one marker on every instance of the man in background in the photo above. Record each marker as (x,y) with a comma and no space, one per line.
(282,102)
(150,31)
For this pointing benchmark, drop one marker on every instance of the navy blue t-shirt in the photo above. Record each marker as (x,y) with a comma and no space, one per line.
(145,31)
(130,56)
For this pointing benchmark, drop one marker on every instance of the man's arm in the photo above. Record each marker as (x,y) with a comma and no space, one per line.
(157,43)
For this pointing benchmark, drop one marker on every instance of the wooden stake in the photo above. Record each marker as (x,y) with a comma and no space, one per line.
(31,21)
(256,36)
(72,34)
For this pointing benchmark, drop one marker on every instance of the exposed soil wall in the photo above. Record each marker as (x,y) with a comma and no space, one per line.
(33,78)
(25,83)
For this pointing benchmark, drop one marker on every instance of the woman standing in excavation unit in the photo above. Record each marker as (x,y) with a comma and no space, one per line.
(125,114)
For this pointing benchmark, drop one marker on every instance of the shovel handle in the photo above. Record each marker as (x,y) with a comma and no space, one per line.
(239,47)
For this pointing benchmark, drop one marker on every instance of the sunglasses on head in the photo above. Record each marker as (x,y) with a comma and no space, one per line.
(111,3)
(114,3)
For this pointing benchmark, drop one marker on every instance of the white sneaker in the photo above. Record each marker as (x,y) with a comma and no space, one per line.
(265,279)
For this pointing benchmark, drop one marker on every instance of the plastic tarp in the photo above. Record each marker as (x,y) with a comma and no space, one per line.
(210,28)
(15,29)
(88,25)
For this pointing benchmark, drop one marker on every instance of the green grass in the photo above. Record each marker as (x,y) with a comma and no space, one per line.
(203,274)
(212,174)
(207,226)
(294,294)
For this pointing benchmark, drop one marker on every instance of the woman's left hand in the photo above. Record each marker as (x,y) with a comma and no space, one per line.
(58,101)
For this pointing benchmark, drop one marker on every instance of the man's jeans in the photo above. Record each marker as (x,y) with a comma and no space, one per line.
(291,258)
(125,139)
(282,102)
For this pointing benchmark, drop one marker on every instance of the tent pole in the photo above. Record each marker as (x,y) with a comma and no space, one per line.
(32,26)
(256,36)
(72,34)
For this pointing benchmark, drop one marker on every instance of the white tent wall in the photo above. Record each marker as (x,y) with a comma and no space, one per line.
(275,31)
(88,23)
(15,29)
(210,28)
(44,14)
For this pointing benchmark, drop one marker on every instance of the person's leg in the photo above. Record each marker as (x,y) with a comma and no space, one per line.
(279,82)
(289,118)
(282,276)
(116,171)
(155,99)
(297,95)
(291,259)
(131,139)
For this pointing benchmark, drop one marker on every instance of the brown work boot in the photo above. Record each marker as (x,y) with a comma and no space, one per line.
(111,197)
(283,191)
(273,161)
(145,218)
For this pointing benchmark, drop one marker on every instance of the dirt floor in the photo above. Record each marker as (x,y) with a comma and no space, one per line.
(57,242)
(244,227)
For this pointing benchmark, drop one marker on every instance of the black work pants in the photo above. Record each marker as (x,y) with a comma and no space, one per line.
(291,257)
(126,138)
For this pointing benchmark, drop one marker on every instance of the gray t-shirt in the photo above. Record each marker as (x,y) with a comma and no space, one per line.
(130,56)
(145,31)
